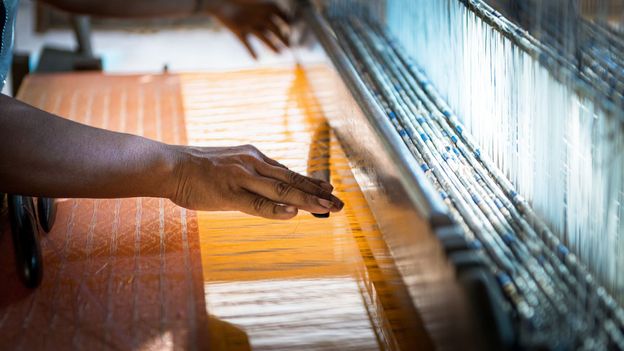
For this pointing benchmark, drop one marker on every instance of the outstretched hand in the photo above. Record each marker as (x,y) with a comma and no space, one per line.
(259,18)
(242,178)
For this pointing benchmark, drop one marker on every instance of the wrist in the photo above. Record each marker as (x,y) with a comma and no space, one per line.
(168,170)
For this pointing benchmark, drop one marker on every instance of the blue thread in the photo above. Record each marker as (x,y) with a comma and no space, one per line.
(498,203)
(454,138)
(475,244)
(508,238)
(423,136)
(476,199)
(541,259)
(392,115)
(424,167)
(503,279)
(563,250)
(403,132)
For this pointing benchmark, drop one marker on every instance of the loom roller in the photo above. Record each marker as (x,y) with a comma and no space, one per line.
(512,280)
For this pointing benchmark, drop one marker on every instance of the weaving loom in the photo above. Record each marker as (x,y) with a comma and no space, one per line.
(478,146)
(512,110)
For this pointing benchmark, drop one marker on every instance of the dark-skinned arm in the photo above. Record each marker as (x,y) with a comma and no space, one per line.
(46,155)
(131,8)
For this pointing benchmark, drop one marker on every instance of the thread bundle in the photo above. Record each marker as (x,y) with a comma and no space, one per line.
(543,134)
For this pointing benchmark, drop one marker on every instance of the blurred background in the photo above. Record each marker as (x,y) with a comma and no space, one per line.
(197,43)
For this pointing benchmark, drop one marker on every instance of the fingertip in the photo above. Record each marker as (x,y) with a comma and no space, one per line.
(247,45)
(265,39)
(338,204)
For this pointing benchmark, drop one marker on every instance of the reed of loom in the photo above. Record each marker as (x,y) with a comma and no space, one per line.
(537,302)
(597,88)
(558,302)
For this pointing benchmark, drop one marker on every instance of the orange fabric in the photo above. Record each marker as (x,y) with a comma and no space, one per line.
(307,283)
(118,274)
(145,274)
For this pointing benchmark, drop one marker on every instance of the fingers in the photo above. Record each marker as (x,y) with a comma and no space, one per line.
(315,187)
(323,184)
(243,38)
(277,32)
(257,205)
(272,162)
(277,11)
(305,183)
(258,19)
(282,192)
(262,36)
(319,182)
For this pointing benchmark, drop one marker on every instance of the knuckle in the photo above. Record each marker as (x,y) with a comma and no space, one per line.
(237,171)
(251,154)
(274,210)
(259,204)
(310,199)
(323,193)
(282,189)
(295,178)
(250,148)
(247,158)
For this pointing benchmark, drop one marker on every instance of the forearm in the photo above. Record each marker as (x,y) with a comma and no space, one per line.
(45,155)
(135,8)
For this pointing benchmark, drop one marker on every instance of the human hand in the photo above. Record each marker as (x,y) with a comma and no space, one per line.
(249,17)
(242,178)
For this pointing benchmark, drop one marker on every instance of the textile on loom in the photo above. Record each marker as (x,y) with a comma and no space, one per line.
(145,274)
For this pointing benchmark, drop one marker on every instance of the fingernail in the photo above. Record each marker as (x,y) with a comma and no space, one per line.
(290,209)
(325,203)
(327,187)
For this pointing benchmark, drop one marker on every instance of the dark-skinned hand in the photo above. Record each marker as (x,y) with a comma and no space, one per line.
(242,178)
(262,19)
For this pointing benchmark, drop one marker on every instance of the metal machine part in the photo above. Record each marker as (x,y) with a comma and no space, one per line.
(24,230)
